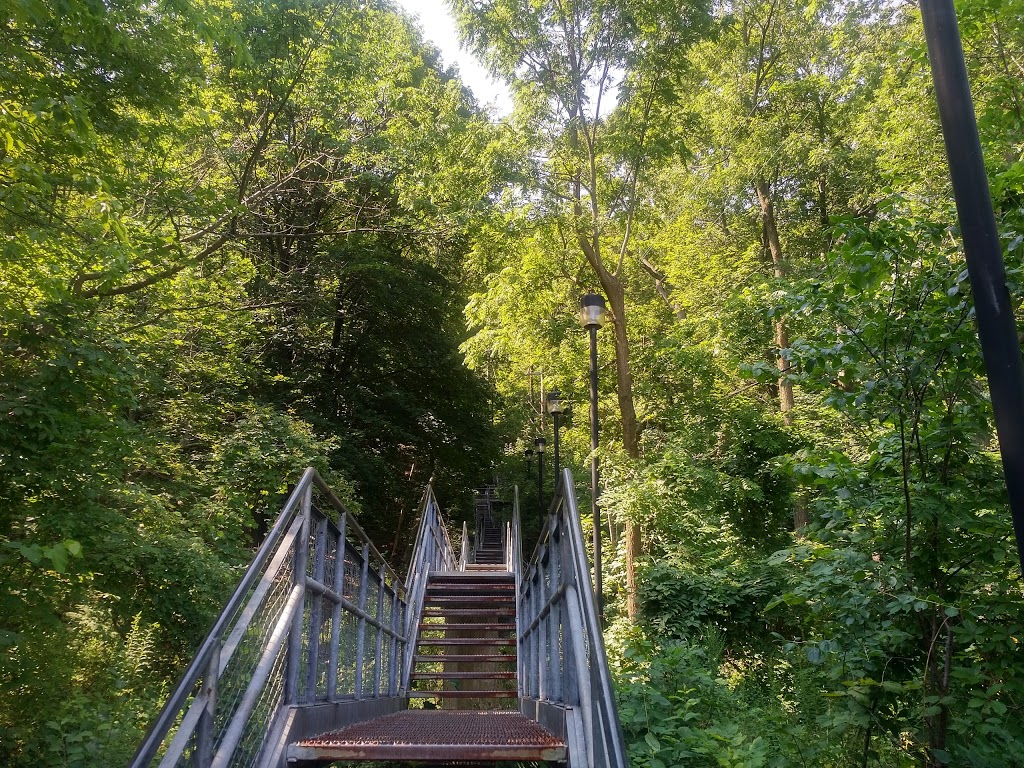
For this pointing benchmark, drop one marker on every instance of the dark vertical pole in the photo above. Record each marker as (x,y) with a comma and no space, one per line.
(558,467)
(996,326)
(540,482)
(595,472)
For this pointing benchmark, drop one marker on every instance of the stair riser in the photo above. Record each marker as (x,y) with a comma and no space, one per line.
(510,643)
(464,627)
(463,694)
(463,676)
(464,658)
(487,600)
(440,613)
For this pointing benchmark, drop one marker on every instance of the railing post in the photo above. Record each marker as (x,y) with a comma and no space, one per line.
(537,581)
(316,610)
(361,632)
(204,729)
(299,563)
(338,586)
(543,657)
(394,653)
(378,670)
(571,693)
(554,620)
(464,556)
(582,666)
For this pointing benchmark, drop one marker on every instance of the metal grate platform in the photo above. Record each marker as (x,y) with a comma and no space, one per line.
(432,735)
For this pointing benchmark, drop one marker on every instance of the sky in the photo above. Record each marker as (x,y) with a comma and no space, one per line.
(438,26)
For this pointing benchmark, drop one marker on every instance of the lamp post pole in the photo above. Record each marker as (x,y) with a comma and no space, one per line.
(556,408)
(540,442)
(592,316)
(993,309)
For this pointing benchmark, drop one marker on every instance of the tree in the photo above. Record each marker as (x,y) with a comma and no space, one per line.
(571,63)
(215,223)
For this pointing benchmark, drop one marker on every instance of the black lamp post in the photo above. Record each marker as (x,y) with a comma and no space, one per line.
(528,454)
(592,317)
(556,408)
(984,254)
(540,442)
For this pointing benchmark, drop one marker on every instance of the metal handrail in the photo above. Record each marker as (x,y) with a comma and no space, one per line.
(516,566)
(464,550)
(260,655)
(431,552)
(562,660)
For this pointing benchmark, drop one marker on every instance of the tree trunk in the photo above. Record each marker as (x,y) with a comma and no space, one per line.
(630,431)
(590,244)
(771,231)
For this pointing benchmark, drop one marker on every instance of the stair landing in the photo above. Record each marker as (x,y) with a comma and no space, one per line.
(435,735)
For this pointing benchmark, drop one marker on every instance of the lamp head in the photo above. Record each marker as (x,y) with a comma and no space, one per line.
(554,402)
(540,442)
(593,312)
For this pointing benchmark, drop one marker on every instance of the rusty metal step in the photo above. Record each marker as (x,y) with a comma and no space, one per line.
(486,575)
(491,597)
(437,736)
(491,627)
(441,612)
(463,694)
(471,588)
(492,658)
(461,586)
(509,642)
(462,676)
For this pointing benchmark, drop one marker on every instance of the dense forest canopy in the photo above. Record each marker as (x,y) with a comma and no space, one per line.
(248,236)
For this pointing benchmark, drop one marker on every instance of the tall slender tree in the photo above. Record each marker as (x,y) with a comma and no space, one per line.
(592,78)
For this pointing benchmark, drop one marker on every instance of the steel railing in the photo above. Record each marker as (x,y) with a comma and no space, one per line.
(464,548)
(562,660)
(432,552)
(319,616)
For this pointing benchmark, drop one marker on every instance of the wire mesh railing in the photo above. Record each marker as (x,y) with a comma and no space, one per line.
(562,659)
(319,616)
(432,551)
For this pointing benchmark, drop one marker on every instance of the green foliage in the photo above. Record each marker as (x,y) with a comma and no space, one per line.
(872,618)
(108,686)
(232,248)
(243,238)
(729,602)
(677,710)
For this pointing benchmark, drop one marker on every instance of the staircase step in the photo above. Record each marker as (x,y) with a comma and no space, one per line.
(464,694)
(470,587)
(494,658)
(468,641)
(476,576)
(470,599)
(439,612)
(461,627)
(438,736)
(463,676)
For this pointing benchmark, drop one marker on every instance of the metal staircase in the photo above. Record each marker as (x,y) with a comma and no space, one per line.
(467,643)
(323,653)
